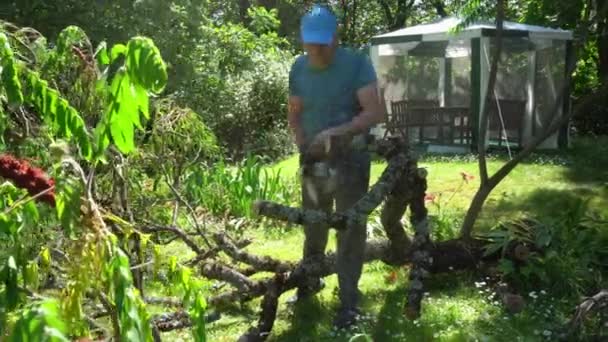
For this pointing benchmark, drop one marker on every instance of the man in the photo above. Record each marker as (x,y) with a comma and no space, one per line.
(332,93)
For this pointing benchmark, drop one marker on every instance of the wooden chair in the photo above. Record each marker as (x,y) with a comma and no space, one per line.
(395,122)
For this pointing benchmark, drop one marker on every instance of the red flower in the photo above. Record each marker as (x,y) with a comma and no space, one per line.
(466,176)
(28,177)
(429,198)
(391,277)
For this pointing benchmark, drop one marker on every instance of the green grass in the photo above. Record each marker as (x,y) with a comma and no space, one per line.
(455,308)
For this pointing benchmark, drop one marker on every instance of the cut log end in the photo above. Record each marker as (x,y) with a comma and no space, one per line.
(411,313)
(256,207)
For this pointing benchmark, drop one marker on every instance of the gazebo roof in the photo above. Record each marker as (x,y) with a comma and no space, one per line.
(441,30)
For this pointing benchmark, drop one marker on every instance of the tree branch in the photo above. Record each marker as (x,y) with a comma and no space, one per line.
(490,94)
(387,12)
(264,263)
(178,232)
(216,271)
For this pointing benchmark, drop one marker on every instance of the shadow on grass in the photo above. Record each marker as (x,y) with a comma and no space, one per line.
(307,322)
(547,202)
(588,160)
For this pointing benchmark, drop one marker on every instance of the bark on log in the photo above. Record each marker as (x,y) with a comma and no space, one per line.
(358,213)
(217,271)
(269,311)
(397,166)
(299,216)
(259,263)
(590,304)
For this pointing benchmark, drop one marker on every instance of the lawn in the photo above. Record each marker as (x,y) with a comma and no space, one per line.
(459,306)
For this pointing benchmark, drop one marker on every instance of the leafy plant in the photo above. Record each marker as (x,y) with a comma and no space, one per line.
(568,251)
(232,190)
(97,265)
(40,322)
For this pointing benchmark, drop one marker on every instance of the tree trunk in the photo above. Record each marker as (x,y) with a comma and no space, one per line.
(440,8)
(602,44)
(243,7)
(474,209)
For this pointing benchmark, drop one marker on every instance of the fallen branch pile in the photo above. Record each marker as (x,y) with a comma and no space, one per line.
(402,184)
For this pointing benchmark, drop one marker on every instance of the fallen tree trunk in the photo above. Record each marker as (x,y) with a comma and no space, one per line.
(447,256)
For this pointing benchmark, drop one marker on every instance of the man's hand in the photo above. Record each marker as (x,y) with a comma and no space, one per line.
(321,145)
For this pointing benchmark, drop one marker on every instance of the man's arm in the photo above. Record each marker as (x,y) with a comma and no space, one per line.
(371,113)
(294,104)
(294,107)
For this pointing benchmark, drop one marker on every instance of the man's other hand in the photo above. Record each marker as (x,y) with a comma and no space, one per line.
(329,141)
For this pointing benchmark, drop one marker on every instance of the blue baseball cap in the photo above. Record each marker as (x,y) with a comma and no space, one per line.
(318,26)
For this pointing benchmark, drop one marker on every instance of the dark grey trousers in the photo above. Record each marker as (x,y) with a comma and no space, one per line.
(353,173)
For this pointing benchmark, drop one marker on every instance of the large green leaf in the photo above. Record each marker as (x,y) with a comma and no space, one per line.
(10,75)
(57,112)
(121,112)
(145,64)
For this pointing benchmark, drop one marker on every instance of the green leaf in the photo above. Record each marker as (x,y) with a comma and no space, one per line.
(506,266)
(145,64)
(10,75)
(41,322)
(57,112)
(69,36)
(31,275)
(6,224)
(197,312)
(9,276)
(142,101)
(117,51)
(67,203)
(45,258)
(101,54)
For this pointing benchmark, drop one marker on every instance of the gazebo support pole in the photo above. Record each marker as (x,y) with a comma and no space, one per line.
(484,79)
(529,121)
(563,137)
(445,81)
(475,91)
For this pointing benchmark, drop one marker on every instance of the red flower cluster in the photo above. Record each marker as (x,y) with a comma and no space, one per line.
(28,177)
(466,176)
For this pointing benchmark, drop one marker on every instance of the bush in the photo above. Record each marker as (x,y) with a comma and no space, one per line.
(240,89)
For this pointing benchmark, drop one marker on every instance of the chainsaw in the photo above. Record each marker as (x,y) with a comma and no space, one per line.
(318,170)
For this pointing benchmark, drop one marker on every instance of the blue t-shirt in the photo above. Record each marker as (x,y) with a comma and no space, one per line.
(329,95)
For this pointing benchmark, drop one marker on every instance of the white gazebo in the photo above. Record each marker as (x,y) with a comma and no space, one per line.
(433,80)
